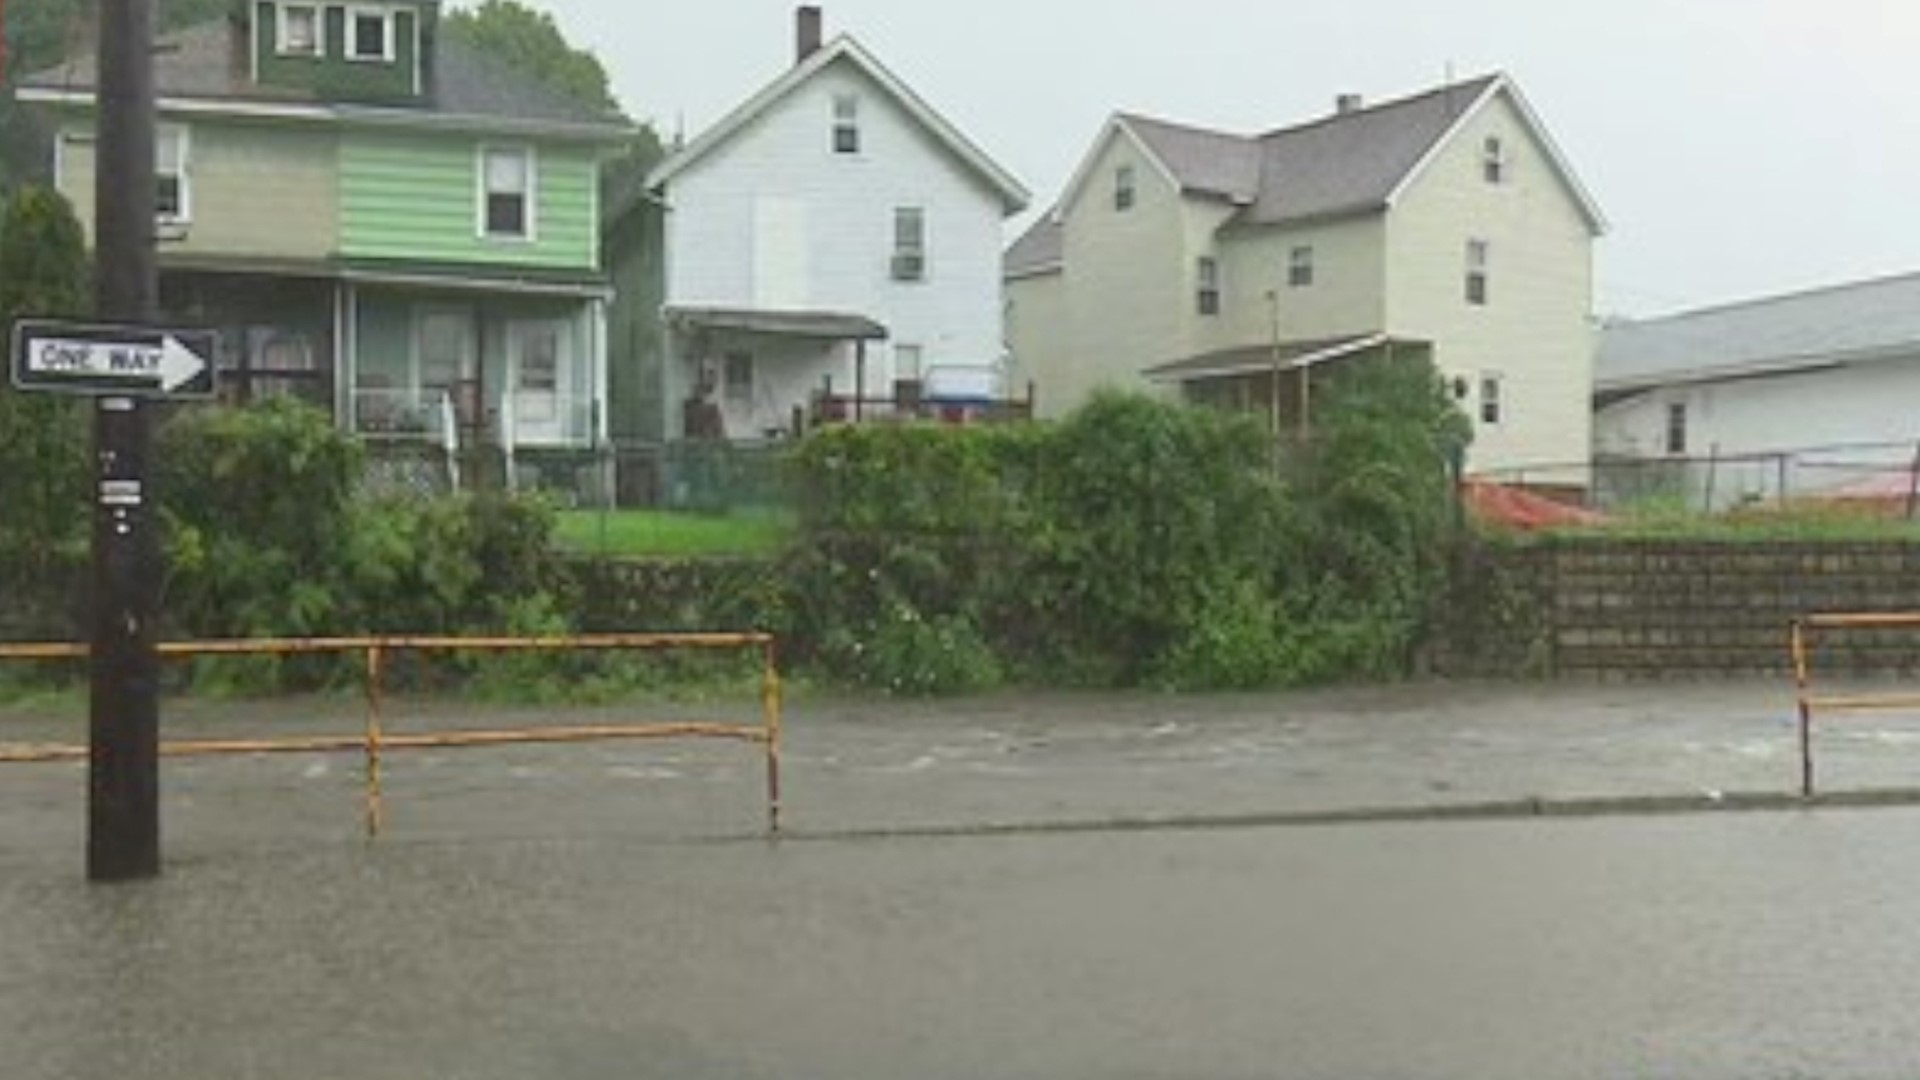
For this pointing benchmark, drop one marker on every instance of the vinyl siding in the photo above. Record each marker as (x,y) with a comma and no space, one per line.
(1036,329)
(1535,331)
(774,218)
(1348,294)
(256,191)
(1129,282)
(416,196)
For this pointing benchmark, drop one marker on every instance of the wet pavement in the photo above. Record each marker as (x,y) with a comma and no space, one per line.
(612,911)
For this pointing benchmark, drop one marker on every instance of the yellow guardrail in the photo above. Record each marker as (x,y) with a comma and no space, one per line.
(1809,702)
(375,741)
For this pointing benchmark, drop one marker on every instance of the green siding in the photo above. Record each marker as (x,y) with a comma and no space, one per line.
(332,76)
(416,197)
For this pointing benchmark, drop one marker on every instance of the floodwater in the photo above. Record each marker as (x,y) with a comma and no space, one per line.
(1701,946)
(615,911)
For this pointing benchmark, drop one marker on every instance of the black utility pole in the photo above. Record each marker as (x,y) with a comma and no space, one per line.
(123,793)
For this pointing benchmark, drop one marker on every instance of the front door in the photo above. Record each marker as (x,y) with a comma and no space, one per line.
(540,372)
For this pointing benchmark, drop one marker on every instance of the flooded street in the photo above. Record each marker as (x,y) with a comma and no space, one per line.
(1704,946)
(613,910)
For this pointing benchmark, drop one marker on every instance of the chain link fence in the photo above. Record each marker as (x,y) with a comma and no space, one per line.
(1880,476)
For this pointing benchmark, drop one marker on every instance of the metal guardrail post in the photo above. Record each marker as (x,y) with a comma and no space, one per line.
(1799,646)
(374,806)
(770,707)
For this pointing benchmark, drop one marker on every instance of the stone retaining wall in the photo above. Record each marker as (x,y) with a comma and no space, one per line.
(1653,609)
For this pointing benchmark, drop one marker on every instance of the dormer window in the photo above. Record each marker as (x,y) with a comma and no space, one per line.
(846,124)
(1493,161)
(299,31)
(1123,188)
(369,34)
(506,196)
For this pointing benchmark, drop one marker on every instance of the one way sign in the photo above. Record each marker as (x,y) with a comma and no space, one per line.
(103,359)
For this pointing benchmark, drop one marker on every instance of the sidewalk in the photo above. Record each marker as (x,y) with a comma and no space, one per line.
(1016,761)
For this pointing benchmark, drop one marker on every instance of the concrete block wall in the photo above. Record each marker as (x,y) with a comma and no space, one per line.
(1648,609)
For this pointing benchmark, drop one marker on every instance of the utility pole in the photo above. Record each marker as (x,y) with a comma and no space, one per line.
(123,779)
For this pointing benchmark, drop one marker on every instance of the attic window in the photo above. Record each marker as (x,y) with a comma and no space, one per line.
(369,34)
(846,124)
(299,30)
(1123,188)
(1493,161)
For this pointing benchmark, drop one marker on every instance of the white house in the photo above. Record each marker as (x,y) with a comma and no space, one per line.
(1447,224)
(1801,394)
(834,227)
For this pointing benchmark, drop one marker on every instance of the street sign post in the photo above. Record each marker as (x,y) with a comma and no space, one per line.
(110,360)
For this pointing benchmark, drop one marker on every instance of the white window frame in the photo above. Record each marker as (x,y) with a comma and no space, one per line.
(1675,420)
(182,139)
(1495,164)
(1493,399)
(351,48)
(1300,268)
(1479,272)
(899,269)
(530,232)
(909,361)
(738,391)
(319,16)
(846,119)
(1125,189)
(1206,286)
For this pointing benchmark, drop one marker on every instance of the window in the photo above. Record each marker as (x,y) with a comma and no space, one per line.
(1490,404)
(1123,188)
(846,124)
(1207,295)
(1677,428)
(906,362)
(369,34)
(736,379)
(909,244)
(506,197)
(1493,161)
(172,199)
(1300,267)
(1478,254)
(299,30)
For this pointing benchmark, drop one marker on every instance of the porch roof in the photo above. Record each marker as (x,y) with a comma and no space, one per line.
(457,277)
(1259,359)
(824,325)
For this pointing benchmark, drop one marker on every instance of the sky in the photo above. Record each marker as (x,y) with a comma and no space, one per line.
(1739,148)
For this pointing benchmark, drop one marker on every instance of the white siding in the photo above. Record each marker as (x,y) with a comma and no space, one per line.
(1037,332)
(1535,332)
(774,217)
(1865,403)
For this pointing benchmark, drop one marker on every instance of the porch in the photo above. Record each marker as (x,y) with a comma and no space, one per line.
(751,373)
(1277,381)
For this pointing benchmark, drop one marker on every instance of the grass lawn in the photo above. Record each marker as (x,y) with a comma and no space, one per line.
(670,533)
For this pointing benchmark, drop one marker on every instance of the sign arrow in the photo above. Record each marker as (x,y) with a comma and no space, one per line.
(108,360)
(179,365)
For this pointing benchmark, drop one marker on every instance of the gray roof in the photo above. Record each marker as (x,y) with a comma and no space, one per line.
(1861,321)
(1040,248)
(825,325)
(208,62)
(1340,164)
(1260,359)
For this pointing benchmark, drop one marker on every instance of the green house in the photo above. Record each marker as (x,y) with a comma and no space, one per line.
(376,219)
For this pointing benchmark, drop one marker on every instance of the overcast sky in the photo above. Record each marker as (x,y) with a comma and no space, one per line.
(1738,147)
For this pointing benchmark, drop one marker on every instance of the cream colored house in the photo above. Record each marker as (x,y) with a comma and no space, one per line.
(1231,267)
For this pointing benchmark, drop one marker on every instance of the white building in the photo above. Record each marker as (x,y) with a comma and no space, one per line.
(1792,395)
(832,228)
(1447,224)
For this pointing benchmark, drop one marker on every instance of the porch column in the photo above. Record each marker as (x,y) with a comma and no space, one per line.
(345,379)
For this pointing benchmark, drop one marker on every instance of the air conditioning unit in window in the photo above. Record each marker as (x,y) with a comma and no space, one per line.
(909,266)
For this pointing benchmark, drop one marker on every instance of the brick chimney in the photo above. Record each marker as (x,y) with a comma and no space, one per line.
(806,32)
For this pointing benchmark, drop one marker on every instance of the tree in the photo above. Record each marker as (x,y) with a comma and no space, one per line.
(43,272)
(531,41)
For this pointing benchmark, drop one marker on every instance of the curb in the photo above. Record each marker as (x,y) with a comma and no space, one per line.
(1526,808)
